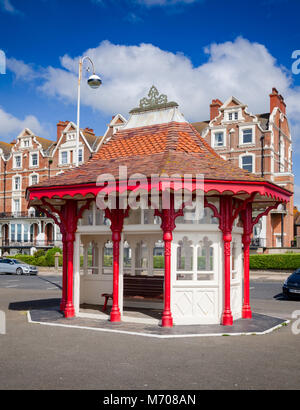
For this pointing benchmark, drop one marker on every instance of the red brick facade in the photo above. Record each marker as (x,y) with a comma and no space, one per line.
(28,160)
(33,159)
(262,144)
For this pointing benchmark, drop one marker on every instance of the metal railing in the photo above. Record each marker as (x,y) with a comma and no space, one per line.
(28,214)
(29,244)
(258,243)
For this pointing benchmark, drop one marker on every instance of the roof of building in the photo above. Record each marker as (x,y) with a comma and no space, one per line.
(90,137)
(45,143)
(157,149)
(200,126)
(264,120)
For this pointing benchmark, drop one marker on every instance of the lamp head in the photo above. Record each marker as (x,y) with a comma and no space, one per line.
(94,81)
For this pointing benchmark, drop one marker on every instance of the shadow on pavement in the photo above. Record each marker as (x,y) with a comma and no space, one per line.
(50,281)
(35,304)
(282,297)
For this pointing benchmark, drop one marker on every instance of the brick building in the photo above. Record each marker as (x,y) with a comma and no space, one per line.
(261,144)
(28,160)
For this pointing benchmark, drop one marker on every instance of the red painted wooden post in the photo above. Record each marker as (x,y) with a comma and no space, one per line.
(167,320)
(115,314)
(70,212)
(69,216)
(69,310)
(246,239)
(116,217)
(226,228)
(64,273)
(168,217)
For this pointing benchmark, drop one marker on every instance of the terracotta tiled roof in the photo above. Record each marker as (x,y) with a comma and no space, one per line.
(90,137)
(45,143)
(200,126)
(165,148)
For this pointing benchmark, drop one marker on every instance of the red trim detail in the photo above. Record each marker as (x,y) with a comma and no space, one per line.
(264,188)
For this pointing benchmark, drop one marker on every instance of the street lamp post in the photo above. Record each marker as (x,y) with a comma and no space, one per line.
(94,82)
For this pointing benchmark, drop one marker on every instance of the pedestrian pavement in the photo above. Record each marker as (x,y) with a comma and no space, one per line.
(270,275)
(259,324)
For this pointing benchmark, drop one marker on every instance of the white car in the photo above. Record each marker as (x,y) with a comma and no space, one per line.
(13,266)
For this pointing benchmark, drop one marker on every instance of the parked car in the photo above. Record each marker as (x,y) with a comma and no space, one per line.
(291,286)
(13,266)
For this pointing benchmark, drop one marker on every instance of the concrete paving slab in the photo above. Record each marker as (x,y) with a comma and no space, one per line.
(258,325)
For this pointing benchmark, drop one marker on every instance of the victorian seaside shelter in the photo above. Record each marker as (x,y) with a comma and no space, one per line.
(191,267)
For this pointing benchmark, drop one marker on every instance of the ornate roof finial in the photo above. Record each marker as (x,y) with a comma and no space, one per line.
(155,101)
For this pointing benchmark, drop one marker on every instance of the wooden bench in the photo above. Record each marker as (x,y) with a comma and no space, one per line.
(142,287)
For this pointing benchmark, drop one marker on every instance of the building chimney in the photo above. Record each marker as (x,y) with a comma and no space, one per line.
(61,125)
(282,105)
(214,108)
(276,100)
(90,130)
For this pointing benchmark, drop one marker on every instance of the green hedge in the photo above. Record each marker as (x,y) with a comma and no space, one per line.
(41,258)
(50,256)
(281,261)
(158,261)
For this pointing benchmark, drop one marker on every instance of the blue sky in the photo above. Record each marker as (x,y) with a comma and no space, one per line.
(193,50)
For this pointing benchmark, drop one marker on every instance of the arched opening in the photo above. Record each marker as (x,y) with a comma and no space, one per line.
(5,234)
(49,233)
(34,231)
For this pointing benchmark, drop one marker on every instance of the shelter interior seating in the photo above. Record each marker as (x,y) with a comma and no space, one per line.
(140,287)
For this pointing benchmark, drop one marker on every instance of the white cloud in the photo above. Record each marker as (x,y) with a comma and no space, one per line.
(11,126)
(7,6)
(150,3)
(240,68)
(297,196)
(21,70)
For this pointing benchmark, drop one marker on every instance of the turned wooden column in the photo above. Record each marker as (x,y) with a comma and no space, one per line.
(168,217)
(116,217)
(226,228)
(246,239)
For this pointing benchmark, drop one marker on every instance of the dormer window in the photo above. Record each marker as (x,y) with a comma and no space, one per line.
(71,137)
(233,116)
